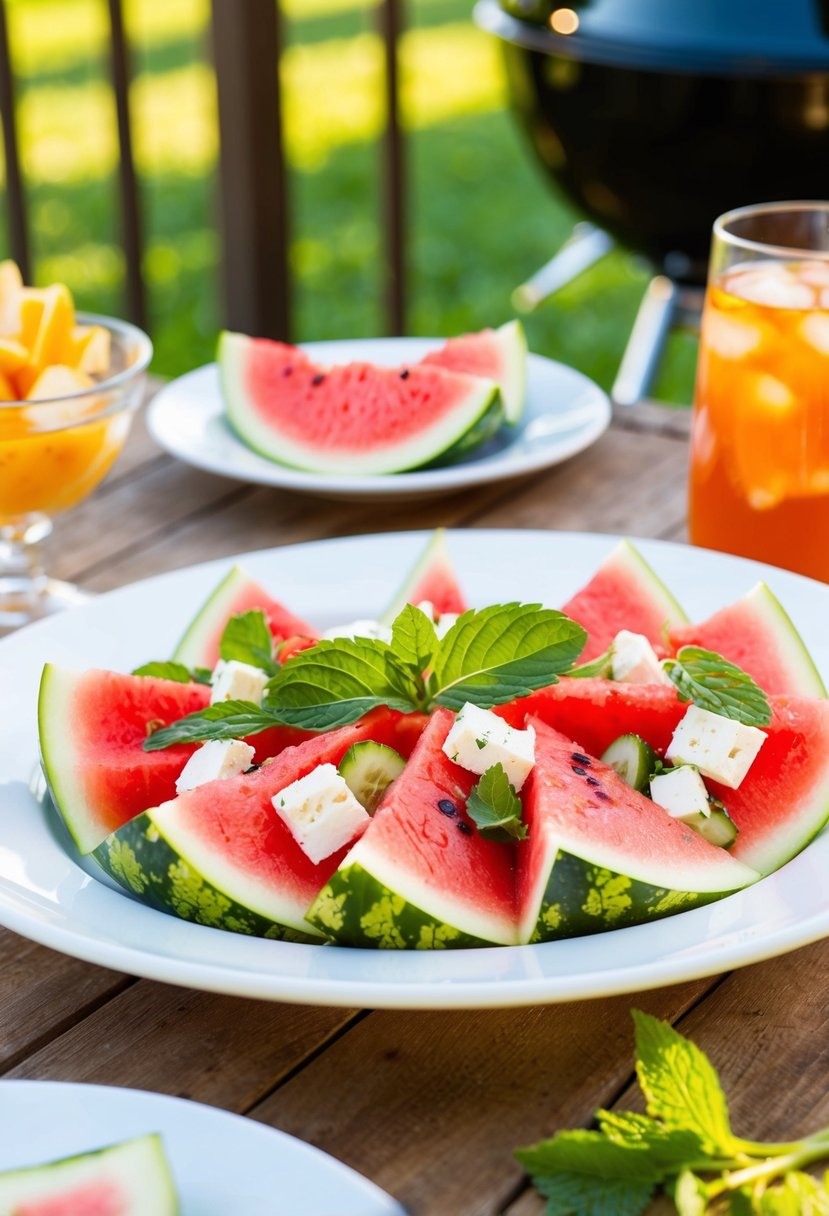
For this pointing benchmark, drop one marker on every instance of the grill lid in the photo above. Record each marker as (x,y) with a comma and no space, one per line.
(731,37)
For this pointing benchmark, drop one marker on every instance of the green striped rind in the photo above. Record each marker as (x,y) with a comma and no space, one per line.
(513,343)
(478,434)
(787,642)
(209,619)
(141,861)
(135,1171)
(356,909)
(581,898)
(627,557)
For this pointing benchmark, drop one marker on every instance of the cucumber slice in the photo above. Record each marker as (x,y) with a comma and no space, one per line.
(368,770)
(717,828)
(632,758)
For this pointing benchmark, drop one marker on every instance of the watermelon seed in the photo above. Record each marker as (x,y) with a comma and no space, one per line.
(593,781)
(404,375)
(582,772)
(601,794)
(580,758)
(318,379)
(287,371)
(254,768)
(447,808)
(465,828)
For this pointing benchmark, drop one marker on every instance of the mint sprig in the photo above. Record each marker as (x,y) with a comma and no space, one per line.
(247,639)
(601,667)
(175,671)
(225,720)
(684,1145)
(487,657)
(495,808)
(715,684)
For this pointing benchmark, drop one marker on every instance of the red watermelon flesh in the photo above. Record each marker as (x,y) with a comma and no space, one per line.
(236,593)
(432,578)
(92,729)
(433,856)
(624,593)
(782,802)
(757,635)
(497,354)
(90,1199)
(229,831)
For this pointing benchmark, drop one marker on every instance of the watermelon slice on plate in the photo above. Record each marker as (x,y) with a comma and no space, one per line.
(127,1179)
(624,593)
(432,578)
(496,354)
(356,418)
(220,855)
(600,856)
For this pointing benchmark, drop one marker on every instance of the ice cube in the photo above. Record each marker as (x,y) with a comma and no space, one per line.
(772,285)
(816,274)
(730,338)
(814,329)
(773,393)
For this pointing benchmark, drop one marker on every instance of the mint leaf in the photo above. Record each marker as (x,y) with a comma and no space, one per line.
(681,1086)
(166,671)
(580,1195)
(601,667)
(413,638)
(247,639)
(669,1147)
(591,1154)
(712,683)
(690,1194)
(226,720)
(337,681)
(495,808)
(797,1195)
(503,652)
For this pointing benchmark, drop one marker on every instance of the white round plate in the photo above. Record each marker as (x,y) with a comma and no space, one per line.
(47,896)
(220,1162)
(565,413)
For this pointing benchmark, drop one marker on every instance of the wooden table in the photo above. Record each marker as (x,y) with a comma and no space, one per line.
(428,1105)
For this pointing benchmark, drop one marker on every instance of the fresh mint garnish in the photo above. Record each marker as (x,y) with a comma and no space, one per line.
(503,652)
(683,1145)
(413,638)
(712,683)
(495,808)
(225,720)
(601,667)
(247,639)
(169,671)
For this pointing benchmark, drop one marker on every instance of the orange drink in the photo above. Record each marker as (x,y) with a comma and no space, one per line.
(759,475)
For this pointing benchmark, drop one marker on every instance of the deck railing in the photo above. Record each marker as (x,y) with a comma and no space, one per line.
(253,181)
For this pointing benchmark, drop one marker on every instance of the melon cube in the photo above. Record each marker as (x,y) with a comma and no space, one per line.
(321,812)
(479,738)
(719,747)
(214,761)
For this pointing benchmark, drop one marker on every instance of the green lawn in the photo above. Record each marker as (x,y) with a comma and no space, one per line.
(481,217)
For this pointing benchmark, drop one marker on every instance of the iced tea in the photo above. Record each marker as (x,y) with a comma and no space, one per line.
(759,478)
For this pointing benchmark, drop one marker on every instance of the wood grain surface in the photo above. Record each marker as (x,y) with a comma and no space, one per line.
(428,1105)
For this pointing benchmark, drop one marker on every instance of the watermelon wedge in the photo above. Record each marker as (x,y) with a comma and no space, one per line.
(757,634)
(781,804)
(355,419)
(421,876)
(220,855)
(237,592)
(127,1179)
(624,593)
(496,354)
(431,578)
(601,856)
(92,729)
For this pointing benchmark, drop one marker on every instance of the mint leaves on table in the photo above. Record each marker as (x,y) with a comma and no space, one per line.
(684,1144)
(712,683)
(495,808)
(488,657)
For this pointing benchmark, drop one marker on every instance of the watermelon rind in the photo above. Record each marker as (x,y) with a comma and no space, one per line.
(211,617)
(507,348)
(149,859)
(432,565)
(132,1177)
(475,398)
(757,634)
(513,385)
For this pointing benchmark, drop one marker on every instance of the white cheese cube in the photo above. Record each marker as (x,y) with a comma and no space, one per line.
(634,661)
(360,629)
(721,748)
(320,812)
(681,791)
(235,681)
(479,738)
(213,761)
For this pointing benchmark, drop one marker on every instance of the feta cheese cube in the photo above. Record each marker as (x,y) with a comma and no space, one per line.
(320,812)
(681,791)
(235,681)
(634,661)
(213,761)
(360,629)
(479,738)
(721,748)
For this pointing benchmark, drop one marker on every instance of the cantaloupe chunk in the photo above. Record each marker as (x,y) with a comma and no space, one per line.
(13,356)
(10,287)
(88,348)
(7,390)
(58,380)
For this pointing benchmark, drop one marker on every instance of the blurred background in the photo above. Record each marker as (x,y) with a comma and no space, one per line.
(480,218)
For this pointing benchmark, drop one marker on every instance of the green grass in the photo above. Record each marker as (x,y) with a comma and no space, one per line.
(481,217)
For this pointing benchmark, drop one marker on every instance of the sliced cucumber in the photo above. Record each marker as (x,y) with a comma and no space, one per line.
(368,770)
(632,758)
(717,828)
